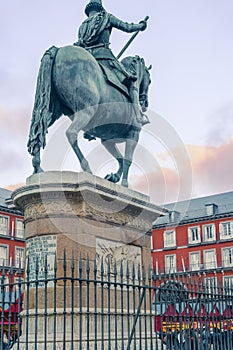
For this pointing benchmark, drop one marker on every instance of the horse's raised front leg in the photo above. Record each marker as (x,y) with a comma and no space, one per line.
(36,161)
(111,147)
(81,119)
(130,146)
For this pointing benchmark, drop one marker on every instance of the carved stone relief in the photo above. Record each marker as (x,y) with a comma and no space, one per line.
(116,256)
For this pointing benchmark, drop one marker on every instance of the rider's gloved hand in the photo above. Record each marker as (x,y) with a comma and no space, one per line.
(143,24)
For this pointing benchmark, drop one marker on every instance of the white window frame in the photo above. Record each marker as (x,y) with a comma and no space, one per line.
(196,266)
(210,264)
(169,238)
(5,261)
(227,261)
(19,260)
(205,229)
(170,269)
(190,235)
(226,233)
(4,229)
(21,231)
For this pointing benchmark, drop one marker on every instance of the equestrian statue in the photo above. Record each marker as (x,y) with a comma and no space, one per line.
(103,97)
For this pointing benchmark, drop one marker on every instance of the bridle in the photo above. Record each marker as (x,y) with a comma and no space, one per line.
(143,97)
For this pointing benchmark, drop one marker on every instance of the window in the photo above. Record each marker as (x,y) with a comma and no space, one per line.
(18,284)
(170,263)
(211,209)
(170,238)
(228,281)
(210,259)
(19,228)
(19,257)
(174,216)
(209,233)
(194,261)
(226,230)
(210,283)
(227,257)
(194,235)
(5,281)
(4,225)
(4,255)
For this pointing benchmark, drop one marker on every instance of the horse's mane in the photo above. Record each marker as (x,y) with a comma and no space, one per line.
(131,61)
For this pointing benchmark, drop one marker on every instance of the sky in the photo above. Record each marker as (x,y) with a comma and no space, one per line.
(186,150)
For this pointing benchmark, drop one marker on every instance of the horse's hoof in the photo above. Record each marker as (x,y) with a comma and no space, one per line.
(112,178)
(38,170)
(124,183)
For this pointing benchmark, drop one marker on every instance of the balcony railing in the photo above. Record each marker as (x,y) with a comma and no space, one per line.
(223,265)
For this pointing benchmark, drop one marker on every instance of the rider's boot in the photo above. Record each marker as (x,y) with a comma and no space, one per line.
(134,96)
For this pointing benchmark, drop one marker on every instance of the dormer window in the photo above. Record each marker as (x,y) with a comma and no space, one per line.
(211,209)
(174,216)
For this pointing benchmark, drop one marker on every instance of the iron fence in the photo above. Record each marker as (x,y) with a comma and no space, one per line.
(77,303)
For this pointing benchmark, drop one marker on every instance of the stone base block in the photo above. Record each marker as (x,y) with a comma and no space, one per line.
(90,329)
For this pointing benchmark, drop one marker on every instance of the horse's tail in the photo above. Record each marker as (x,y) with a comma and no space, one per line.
(44,112)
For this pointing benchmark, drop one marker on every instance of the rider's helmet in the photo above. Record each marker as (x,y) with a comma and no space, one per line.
(94,5)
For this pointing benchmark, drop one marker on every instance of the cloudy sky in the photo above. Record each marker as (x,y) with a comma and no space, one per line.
(187,149)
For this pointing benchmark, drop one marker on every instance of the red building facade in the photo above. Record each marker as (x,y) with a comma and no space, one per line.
(196,236)
(12,241)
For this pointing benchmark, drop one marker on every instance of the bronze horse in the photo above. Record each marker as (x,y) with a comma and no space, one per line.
(71,82)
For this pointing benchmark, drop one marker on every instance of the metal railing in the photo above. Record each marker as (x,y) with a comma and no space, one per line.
(77,303)
(225,264)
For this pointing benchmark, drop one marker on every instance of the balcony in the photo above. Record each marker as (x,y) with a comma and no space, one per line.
(224,265)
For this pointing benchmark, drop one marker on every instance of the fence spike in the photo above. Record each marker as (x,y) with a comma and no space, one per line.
(46,266)
(144,274)
(109,268)
(87,266)
(121,270)
(149,272)
(80,265)
(72,262)
(139,273)
(133,272)
(37,267)
(55,263)
(102,269)
(115,270)
(127,271)
(64,261)
(28,265)
(95,268)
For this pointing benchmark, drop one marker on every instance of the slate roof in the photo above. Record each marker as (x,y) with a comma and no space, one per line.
(4,194)
(195,209)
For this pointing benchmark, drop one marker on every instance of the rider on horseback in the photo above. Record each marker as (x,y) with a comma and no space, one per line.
(94,34)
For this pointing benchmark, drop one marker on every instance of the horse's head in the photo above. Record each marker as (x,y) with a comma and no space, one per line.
(137,64)
(144,82)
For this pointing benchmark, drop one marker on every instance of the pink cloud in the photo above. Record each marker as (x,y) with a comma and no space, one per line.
(15,122)
(162,186)
(212,169)
(14,187)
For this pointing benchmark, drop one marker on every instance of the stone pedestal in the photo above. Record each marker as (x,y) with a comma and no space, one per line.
(87,217)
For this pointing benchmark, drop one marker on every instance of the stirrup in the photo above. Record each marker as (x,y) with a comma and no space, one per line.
(88,136)
(143,119)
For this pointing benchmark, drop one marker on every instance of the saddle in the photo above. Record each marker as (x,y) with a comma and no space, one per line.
(104,57)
